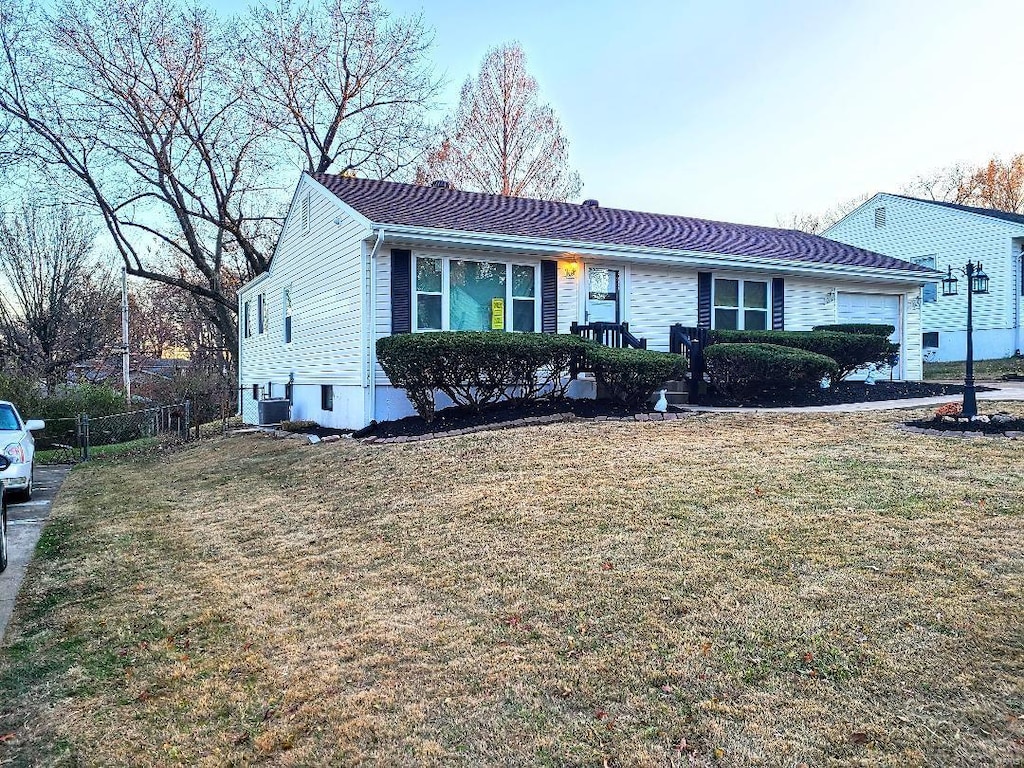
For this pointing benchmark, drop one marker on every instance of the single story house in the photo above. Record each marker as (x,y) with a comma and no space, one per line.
(360,259)
(941,235)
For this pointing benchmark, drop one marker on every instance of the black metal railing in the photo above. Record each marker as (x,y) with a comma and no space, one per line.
(608,334)
(690,343)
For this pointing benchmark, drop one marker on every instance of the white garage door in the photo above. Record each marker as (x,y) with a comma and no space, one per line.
(872,308)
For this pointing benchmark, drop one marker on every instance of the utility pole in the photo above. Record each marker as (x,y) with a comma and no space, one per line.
(125,358)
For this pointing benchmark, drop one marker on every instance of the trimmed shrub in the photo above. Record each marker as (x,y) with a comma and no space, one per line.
(631,375)
(743,369)
(475,368)
(871,329)
(850,351)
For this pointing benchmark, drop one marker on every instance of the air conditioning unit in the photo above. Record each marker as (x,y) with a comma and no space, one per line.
(274,410)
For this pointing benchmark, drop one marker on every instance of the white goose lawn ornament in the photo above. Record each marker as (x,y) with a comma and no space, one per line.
(662,405)
(872,376)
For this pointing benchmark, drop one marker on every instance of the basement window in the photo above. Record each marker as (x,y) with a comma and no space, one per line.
(327,397)
(930,340)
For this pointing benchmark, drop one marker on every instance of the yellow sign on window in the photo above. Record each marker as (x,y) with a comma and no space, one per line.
(497,314)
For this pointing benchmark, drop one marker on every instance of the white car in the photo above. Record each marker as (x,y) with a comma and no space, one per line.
(17,444)
(4,463)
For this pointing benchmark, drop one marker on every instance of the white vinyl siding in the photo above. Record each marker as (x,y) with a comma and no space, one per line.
(321,272)
(659,297)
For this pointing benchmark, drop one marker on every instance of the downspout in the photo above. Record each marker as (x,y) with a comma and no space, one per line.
(371,324)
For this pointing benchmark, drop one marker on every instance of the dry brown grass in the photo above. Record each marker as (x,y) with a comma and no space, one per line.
(730,589)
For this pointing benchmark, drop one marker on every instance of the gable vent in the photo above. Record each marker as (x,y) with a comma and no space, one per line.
(880,216)
(591,203)
(441,184)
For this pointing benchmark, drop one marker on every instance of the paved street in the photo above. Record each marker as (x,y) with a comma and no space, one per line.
(24,524)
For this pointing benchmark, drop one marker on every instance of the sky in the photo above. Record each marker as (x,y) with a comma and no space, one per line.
(753,111)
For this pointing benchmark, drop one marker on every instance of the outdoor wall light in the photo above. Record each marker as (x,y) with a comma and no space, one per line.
(977,283)
(571,268)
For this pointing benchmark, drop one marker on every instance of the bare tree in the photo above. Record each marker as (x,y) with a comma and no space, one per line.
(61,306)
(149,109)
(952,184)
(815,223)
(501,139)
(344,83)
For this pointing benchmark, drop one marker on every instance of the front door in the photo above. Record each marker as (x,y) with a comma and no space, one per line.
(604,287)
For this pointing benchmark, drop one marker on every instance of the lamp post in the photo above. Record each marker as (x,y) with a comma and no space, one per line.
(977,283)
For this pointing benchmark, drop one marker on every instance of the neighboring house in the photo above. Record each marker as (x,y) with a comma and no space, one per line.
(941,235)
(359,259)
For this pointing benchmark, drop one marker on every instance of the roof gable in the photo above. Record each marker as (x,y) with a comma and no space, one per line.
(409,205)
(992,213)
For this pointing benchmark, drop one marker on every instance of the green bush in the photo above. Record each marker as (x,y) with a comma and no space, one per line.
(850,351)
(871,329)
(744,369)
(475,368)
(631,375)
(69,401)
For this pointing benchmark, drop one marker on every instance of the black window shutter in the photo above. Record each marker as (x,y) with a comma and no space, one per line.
(778,304)
(401,291)
(549,297)
(703,299)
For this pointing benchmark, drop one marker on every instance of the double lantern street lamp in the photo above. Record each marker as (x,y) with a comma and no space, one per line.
(977,283)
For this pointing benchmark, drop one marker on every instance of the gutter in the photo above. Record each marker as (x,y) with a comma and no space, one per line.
(696,259)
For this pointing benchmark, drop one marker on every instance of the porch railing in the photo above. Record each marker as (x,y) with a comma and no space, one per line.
(608,334)
(690,343)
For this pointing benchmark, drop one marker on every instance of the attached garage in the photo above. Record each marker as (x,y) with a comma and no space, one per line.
(873,308)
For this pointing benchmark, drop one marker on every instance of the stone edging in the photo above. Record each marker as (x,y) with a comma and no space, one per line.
(1010,435)
(524,422)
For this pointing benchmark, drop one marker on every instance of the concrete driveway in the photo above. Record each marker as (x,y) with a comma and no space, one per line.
(24,524)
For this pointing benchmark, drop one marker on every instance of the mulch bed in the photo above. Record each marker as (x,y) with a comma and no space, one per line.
(838,394)
(1000,426)
(455,419)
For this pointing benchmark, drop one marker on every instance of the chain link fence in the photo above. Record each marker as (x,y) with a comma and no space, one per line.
(67,441)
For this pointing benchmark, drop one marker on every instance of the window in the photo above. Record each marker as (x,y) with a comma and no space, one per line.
(740,304)
(247,320)
(930,340)
(880,217)
(464,295)
(255,391)
(428,294)
(929,292)
(474,286)
(327,397)
(524,298)
(260,300)
(287,311)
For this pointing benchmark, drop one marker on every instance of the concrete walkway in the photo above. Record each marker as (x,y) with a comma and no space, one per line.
(1003,390)
(25,523)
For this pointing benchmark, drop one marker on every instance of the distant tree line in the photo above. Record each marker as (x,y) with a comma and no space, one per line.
(178,131)
(997,184)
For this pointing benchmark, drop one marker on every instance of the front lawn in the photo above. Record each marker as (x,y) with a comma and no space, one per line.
(725,589)
(984,370)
